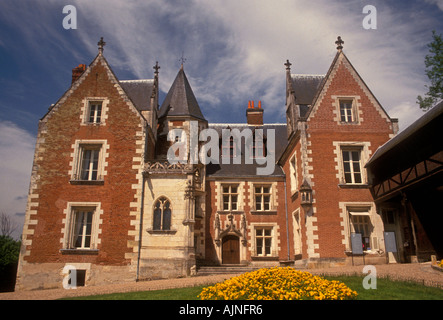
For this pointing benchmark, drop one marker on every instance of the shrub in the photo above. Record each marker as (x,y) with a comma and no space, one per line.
(278,284)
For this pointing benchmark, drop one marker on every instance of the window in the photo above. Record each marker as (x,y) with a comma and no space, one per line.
(89,163)
(229,150)
(361,224)
(297,232)
(262,198)
(346,111)
(230,197)
(352,166)
(263,241)
(95,111)
(293,173)
(81,228)
(162,214)
(258,144)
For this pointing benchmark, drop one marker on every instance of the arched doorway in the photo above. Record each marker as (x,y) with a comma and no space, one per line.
(230,250)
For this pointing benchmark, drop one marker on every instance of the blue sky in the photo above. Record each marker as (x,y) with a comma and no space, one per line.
(234,50)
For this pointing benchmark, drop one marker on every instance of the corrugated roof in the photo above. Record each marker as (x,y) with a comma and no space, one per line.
(139,91)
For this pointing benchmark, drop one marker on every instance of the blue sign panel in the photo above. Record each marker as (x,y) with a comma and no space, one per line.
(356,243)
(390,243)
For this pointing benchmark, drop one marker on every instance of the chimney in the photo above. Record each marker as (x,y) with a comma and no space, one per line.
(77,72)
(254,116)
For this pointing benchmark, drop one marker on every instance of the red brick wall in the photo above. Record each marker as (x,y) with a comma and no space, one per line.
(323,131)
(54,187)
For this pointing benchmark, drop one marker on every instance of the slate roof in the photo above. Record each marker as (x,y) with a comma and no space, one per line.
(139,91)
(305,87)
(247,170)
(180,100)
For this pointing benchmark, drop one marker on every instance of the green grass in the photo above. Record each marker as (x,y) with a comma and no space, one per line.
(168,294)
(390,290)
(386,290)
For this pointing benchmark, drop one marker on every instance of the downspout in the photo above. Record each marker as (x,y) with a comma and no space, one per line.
(142,201)
(286,213)
(141,228)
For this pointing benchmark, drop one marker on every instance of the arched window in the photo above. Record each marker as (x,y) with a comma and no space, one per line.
(162,214)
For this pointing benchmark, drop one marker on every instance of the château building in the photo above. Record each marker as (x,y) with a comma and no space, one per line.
(107,203)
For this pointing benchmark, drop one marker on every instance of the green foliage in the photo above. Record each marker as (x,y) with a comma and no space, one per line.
(9,251)
(434,71)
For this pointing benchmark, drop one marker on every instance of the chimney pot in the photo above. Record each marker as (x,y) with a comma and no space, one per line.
(77,72)
(254,116)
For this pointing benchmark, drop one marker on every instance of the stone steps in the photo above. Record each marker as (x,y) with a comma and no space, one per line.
(225,269)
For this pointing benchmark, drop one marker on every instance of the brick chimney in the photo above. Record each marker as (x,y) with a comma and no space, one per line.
(254,116)
(77,72)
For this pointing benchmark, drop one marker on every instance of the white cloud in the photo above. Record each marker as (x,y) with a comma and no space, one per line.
(235,50)
(407,111)
(439,3)
(16,156)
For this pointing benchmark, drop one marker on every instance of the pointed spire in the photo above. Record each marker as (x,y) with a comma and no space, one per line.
(339,43)
(180,100)
(101,44)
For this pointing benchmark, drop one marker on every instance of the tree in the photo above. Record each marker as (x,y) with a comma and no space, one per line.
(9,251)
(434,71)
(7,226)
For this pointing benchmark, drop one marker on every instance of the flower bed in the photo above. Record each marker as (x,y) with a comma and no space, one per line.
(278,284)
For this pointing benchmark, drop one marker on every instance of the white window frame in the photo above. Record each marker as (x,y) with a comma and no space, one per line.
(263,237)
(360,222)
(297,232)
(293,173)
(87,106)
(350,152)
(262,195)
(347,110)
(230,195)
(365,153)
(69,231)
(95,111)
(355,110)
(80,147)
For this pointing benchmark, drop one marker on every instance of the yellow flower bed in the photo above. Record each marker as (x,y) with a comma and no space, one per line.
(278,284)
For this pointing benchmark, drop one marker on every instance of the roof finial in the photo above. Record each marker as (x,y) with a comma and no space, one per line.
(182,59)
(339,43)
(156,68)
(101,44)
(288,65)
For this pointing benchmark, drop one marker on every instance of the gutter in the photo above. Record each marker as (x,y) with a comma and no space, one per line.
(286,213)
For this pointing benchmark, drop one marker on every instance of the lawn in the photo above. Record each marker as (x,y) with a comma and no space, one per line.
(386,290)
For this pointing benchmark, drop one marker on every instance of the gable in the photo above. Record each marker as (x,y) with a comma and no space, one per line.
(343,82)
(95,90)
